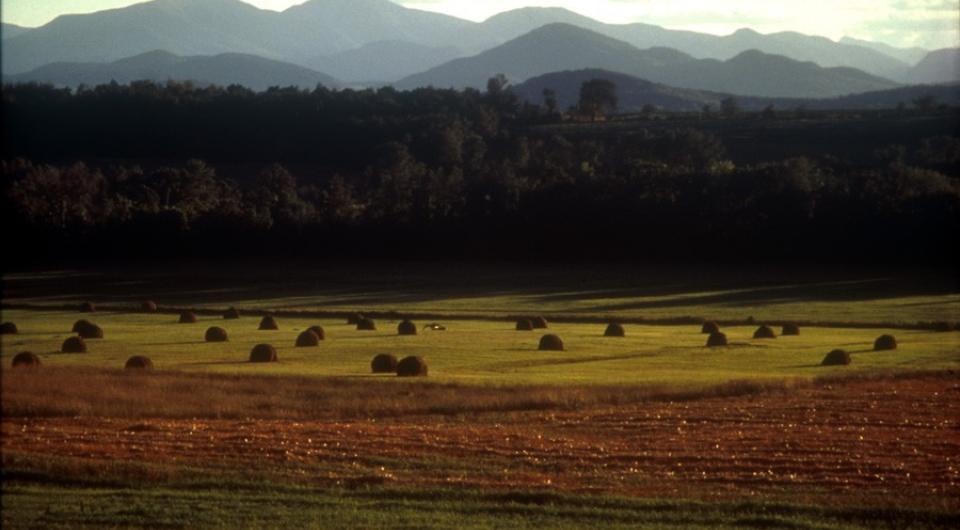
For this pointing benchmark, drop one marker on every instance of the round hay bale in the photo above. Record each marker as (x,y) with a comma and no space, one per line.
(318,331)
(836,358)
(615,330)
(74,345)
(709,328)
(88,307)
(138,362)
(407,328)
(87,329)
(216,334)
(539,323)
(764,332)
(188,317)
(26,360)
(148,306)
(384,363)
(551,343)
(885,342)
(524,324)
(263,353)
(307,339)
(354,319)
(412,367)
(717,339)
(790,329)
(8,328)
(366,324)
(268,323)
(231,314)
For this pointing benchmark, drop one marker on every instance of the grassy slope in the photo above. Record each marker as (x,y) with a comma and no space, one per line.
(478,351)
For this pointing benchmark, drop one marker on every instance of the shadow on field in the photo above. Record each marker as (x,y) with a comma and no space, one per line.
(394,284)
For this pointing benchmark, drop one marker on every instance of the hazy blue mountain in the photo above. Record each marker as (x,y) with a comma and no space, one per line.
(940,66)
(184,27)
(225,69)
(888,99)
(299,35)
(384,61)
(324,27)
(560,47)
(8,31)
(634,93)
(551,48)
(823,51)
(759,74)
(910,56)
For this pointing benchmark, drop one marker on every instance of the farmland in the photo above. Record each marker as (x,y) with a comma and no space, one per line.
(652,429)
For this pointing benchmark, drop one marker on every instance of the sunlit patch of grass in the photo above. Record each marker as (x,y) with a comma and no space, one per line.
(476,352)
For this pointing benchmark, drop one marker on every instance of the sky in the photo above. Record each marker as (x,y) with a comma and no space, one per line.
(926,23)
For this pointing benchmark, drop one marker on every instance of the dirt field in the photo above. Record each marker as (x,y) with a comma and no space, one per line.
(890,442)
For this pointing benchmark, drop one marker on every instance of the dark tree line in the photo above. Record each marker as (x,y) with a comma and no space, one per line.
(89,174)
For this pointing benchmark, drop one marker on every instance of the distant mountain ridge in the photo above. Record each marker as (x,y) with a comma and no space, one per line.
(939,66)
(318,33)
(559,47)
(8,31)
(634,93)
(910,56)
(225,69)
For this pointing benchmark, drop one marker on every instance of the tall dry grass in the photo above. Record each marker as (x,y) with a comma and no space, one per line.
(88,392)
(59,392)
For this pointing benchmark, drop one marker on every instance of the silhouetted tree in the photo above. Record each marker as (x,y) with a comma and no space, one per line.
(729,107)
(598,96)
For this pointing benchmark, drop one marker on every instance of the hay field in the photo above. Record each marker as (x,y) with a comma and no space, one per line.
(476,352)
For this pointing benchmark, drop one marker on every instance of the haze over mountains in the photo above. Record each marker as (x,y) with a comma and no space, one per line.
(225,69)
(377,41)
(558,47)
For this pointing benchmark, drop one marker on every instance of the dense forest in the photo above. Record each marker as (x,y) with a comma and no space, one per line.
(173,170)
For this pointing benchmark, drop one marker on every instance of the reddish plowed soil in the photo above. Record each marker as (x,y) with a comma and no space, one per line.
(894,442)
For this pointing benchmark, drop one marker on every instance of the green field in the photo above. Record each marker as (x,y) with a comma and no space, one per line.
(488,352)
(482,372)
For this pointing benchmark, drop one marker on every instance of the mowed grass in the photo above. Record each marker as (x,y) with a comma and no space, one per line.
(477,352)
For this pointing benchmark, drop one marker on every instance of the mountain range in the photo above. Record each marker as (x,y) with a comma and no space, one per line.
(558,47)
(940,66)
(380,42)
(225,69)
(322,28)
